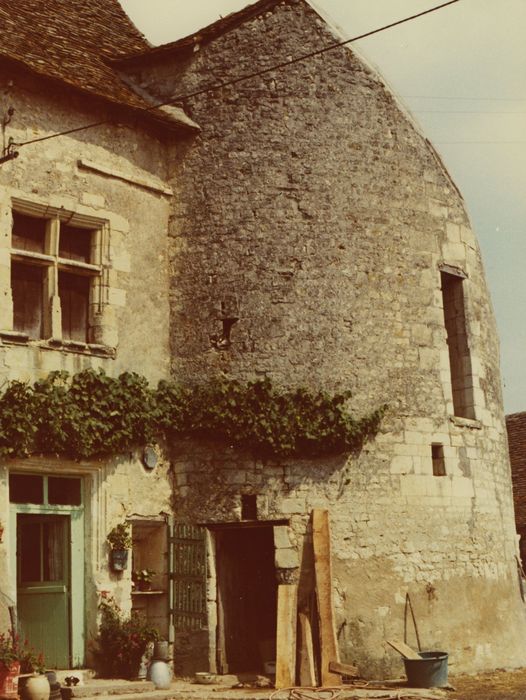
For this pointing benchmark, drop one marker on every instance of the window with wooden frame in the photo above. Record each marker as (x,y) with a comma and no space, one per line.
(55,266)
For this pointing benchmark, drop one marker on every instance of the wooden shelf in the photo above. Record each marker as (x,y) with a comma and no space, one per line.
(148,592)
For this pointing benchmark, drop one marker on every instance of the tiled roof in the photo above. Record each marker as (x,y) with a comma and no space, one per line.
(516,426)
(216,29)
(73,41)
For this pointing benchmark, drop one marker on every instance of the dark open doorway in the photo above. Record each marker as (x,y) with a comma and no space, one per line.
(247,598)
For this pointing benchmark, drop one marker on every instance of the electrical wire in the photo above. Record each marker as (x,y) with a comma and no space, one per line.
(248,76)
(475,99)
(461,111)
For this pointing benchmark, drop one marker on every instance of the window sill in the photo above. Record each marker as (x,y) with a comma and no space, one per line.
(73,346)
(466,422)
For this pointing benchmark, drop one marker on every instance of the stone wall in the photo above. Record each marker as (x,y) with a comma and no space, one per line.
(312,210)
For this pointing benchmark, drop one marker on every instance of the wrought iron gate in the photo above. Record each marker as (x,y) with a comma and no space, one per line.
(188,577)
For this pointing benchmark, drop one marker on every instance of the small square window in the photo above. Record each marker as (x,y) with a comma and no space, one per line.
(27,286)
(63,491)
(26,488)
(28,233)
(75,243)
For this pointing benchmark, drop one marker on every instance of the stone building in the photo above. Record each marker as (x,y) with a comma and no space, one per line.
(295,226)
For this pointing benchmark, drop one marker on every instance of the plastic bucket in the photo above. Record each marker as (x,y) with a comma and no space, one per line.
(428,672)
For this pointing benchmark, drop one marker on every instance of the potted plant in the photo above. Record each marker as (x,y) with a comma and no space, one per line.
(18,658)
(142,578)
(120,542)
(9,665)
(121,641)
(34,684)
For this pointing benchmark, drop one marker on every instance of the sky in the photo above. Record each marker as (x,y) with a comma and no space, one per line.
(461,71)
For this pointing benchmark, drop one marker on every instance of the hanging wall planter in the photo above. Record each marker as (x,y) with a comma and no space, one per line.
(120,542)
(119,559)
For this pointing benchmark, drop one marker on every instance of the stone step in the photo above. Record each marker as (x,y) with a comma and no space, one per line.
(115,688)
(148,693)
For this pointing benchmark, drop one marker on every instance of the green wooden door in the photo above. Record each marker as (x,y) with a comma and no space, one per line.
(43,587)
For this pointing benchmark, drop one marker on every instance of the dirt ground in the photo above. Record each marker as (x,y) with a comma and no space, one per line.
(500,685)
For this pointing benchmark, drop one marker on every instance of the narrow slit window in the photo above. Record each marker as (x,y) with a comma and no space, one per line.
(249,507)
(457,341)
(439,464)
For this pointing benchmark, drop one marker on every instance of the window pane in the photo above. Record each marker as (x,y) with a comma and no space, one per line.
(26,488)
(29,549)
(29,233)
(75,243)
(63,492)
(27,288)
(74,299)
(53,550)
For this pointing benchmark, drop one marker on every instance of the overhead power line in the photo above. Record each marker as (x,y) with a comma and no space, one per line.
(248,76)
(463,97)
(461,111)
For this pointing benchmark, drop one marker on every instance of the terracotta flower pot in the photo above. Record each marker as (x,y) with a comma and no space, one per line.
(9,680)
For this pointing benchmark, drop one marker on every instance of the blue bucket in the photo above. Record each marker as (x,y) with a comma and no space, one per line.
(428,672)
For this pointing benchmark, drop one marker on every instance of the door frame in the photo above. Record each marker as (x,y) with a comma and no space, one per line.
(77,618)
(218,653)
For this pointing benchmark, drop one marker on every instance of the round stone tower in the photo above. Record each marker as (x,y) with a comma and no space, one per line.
(318,239)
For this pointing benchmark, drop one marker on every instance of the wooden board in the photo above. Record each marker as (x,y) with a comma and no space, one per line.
(321,542)
(403,648)
(343,669)
(286,636)
(307,670)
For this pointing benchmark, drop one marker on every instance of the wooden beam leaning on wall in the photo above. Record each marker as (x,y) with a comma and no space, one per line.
(307,666)
(286,636)
(321,542)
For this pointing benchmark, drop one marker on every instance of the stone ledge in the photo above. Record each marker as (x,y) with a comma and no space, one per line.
(153,184)
(466,422)
(16,338)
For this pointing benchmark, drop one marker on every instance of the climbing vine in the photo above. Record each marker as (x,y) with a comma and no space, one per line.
(91,414)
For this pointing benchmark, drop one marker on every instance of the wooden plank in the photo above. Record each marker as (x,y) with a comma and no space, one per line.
(343,669)
(286,636)
(321,542)
(307,670)
(403,648)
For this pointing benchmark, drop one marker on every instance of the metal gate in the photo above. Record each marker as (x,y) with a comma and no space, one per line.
(188,577)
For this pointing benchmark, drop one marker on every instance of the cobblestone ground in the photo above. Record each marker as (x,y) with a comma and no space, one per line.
(501,685)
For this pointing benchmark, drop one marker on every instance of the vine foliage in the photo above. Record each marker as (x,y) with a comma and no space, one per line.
(92,415)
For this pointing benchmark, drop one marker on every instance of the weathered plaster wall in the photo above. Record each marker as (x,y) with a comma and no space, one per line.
(134,208)
(48,174)
(114,491)
(312,209)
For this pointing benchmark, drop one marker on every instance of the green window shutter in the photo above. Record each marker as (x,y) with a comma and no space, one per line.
(189,577)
